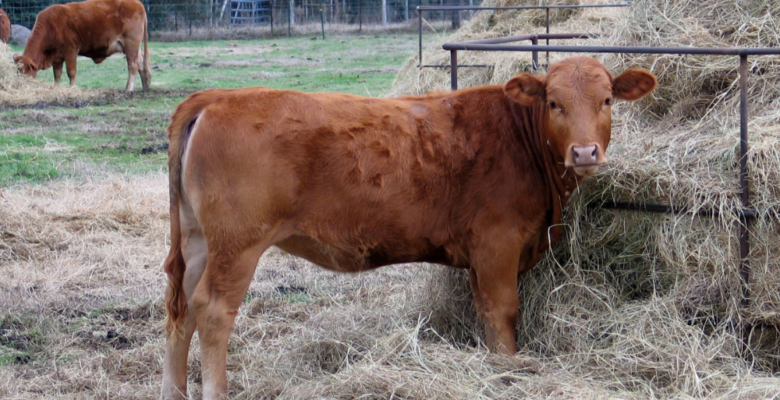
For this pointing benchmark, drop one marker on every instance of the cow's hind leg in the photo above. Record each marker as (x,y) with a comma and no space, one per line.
(57,68)
(217,298)
(194,252)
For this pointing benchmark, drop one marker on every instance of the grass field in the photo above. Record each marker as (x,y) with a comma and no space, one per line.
(126,133)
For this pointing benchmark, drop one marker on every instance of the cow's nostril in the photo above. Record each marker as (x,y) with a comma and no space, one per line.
(585,155)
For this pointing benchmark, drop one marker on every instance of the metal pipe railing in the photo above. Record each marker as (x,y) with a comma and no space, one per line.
(746,214)
(420,10)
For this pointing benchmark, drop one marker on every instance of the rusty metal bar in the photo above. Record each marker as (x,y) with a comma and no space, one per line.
(613,49)
(534,38)
(460,66)
(531,36)
(744,231)
(746,213)
(480,8)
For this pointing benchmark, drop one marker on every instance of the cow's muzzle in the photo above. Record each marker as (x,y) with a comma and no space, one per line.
(586,160)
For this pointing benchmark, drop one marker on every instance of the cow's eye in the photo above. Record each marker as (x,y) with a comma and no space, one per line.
(608,102)
(553,105)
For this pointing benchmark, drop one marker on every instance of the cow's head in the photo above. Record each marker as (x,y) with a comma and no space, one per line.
(26,65)
(578,93)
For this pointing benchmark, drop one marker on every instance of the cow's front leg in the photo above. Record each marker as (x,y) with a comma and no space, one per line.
(493,279)
(57,68)
(70,66)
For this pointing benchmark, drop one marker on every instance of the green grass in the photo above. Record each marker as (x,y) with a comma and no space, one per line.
(126,133)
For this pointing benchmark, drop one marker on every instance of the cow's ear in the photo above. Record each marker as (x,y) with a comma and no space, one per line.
(633,84)
(17,58)
(526,89)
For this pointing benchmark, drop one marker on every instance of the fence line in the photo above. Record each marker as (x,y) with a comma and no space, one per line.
(167,15)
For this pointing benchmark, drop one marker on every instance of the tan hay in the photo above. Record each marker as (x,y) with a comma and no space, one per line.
(641,302)
(17,89)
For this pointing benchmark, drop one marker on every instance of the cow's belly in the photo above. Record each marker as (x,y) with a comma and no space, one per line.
(356,258)
(99,53)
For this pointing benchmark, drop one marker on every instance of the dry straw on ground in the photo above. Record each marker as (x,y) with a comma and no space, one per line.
(18,90)
(650,305)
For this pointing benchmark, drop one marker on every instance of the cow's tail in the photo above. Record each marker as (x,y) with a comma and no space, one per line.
(146,75)
(182,123)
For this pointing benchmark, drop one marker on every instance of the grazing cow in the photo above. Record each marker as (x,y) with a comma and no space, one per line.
(94,29)
(5,27)
(474,179)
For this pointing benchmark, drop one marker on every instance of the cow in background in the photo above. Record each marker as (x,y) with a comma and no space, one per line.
(5,27)
(94,29)
(474,179)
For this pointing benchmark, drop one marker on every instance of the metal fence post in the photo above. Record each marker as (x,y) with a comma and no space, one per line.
(419,27)
(322,20)
(454,69)
(744,231)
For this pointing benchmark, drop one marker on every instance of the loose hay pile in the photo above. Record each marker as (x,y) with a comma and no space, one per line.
(649,305)
(17,90)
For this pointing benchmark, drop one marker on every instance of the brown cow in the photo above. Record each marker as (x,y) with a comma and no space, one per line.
(474,179)
(94,29)
(5,27)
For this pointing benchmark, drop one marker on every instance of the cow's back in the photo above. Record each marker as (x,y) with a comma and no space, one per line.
(365,181)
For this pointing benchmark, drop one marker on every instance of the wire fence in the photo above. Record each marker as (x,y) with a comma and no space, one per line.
(176,15)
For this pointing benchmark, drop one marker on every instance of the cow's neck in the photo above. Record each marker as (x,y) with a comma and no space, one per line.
(561,182)
(35,51)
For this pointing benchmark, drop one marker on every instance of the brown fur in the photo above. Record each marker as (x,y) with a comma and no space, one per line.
(473,179)
(92,28)
(5,27)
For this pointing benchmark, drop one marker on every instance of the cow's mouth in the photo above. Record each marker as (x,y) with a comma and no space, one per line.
(586,170)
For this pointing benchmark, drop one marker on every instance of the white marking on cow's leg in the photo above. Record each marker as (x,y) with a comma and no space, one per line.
(132,71)
(217,299)
(132,53)
(130,83)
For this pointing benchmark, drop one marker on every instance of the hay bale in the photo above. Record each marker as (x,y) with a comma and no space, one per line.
(19,35)
(17,89)
(649,304)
